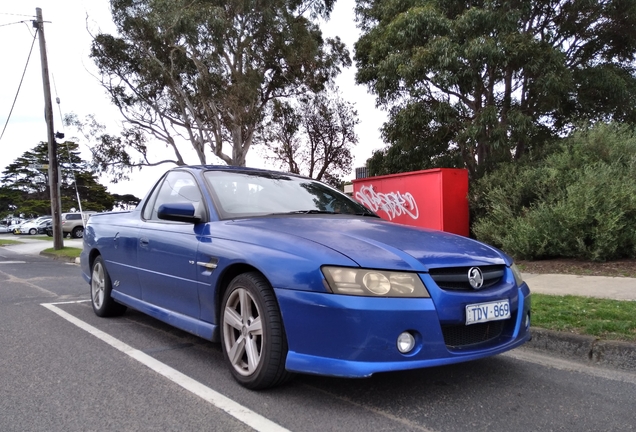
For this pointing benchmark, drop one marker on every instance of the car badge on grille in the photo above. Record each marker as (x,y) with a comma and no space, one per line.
(475,278)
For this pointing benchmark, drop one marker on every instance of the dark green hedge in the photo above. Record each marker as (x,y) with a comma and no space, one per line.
(579,202)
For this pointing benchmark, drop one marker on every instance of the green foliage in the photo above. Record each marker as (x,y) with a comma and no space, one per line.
(25,190)
(126,201)
(580,202)
(478,83)
(206,71)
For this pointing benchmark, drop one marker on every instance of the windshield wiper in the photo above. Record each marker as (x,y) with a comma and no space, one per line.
(307,212)
(366,213)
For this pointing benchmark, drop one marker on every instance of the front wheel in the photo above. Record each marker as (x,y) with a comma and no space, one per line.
(33,231)
(253,336)
(103,303)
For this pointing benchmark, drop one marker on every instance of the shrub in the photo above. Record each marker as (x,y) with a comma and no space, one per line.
(579,202)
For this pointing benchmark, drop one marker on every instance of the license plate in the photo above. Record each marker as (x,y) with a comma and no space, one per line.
(491,311)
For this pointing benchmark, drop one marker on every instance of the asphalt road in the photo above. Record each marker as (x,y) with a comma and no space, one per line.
(64,369)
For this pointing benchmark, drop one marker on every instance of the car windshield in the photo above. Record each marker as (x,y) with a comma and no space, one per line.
(245,193)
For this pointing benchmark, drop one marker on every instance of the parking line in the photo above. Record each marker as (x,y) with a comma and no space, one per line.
(239,412)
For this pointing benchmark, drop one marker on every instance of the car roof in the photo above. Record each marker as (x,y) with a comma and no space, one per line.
(233,168)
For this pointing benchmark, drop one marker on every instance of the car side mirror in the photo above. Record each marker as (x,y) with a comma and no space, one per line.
(179,212)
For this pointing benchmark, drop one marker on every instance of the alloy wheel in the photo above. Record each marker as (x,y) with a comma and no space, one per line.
(97,285)
(243,332)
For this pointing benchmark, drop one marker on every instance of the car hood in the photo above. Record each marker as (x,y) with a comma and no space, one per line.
(375,243)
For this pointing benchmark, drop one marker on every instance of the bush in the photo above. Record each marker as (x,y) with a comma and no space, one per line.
(579,202)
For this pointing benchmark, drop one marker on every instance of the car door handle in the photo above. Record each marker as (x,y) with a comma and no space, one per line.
(143,242)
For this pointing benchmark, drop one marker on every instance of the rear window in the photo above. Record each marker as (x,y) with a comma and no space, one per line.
(73,216)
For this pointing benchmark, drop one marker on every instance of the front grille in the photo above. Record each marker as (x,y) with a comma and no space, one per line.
(456,278)
(456,336)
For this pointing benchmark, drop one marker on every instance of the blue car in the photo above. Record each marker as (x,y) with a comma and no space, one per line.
(293,276)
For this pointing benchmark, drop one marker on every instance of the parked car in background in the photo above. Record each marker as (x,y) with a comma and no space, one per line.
(11,223)
(43,226)
(73,223)
(291,275)
(15,228)
(34,226)
(48,228)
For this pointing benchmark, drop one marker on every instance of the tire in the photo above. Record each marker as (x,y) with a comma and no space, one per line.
(103,303)
(252,333)
(33,231)
(78,232)
(49,233)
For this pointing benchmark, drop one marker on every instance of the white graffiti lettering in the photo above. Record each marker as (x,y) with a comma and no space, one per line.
(394,204)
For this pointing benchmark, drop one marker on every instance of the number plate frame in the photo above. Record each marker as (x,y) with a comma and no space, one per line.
(490,311)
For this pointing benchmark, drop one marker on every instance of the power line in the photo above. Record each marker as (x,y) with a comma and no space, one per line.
(19,86)
(13,14)
(17,22)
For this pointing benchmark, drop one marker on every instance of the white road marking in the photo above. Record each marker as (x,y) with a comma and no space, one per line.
(241,413)
(12,262)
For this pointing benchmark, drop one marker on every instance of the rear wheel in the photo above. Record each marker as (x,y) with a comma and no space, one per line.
(103,303)
(78,232)
(33,231)
(253,336)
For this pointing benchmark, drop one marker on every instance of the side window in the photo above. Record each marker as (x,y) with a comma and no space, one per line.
(177,186)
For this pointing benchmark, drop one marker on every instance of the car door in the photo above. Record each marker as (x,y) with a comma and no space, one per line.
(167,250)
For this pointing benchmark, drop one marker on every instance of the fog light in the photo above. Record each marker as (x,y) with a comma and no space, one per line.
(527,320)
(405,342)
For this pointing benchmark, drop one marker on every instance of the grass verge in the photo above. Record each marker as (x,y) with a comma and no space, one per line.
(70,252)
(5,242)
(41,237)
(605,319)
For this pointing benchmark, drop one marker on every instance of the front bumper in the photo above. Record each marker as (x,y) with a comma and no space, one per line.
(350,336)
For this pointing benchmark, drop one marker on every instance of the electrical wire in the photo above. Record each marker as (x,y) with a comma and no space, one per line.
(19,86)
(13,14)
(17,22)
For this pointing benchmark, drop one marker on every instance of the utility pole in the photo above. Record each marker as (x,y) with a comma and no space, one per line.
(54,172)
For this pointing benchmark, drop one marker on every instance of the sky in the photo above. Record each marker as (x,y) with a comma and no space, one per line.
(68,28)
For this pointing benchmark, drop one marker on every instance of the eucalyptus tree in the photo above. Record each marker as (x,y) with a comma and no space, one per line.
(473,83)
(314,136)
(199,75)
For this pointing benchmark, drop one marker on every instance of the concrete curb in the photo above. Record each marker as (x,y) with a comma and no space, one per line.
(588,349)
(60,258)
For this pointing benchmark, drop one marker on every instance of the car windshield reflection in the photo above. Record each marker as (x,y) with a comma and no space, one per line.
(247,194)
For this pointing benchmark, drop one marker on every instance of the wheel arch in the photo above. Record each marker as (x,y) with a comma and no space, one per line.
(94,253)
(228,275)
(222,285)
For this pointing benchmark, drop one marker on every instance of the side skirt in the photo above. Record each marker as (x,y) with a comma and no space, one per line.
(199,328)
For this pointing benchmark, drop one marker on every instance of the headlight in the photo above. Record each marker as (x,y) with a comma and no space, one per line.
(373,283)
(517,274)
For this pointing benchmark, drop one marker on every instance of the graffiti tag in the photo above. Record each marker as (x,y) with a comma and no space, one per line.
(394,204)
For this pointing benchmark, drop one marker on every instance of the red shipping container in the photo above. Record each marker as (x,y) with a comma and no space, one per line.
(435,198)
